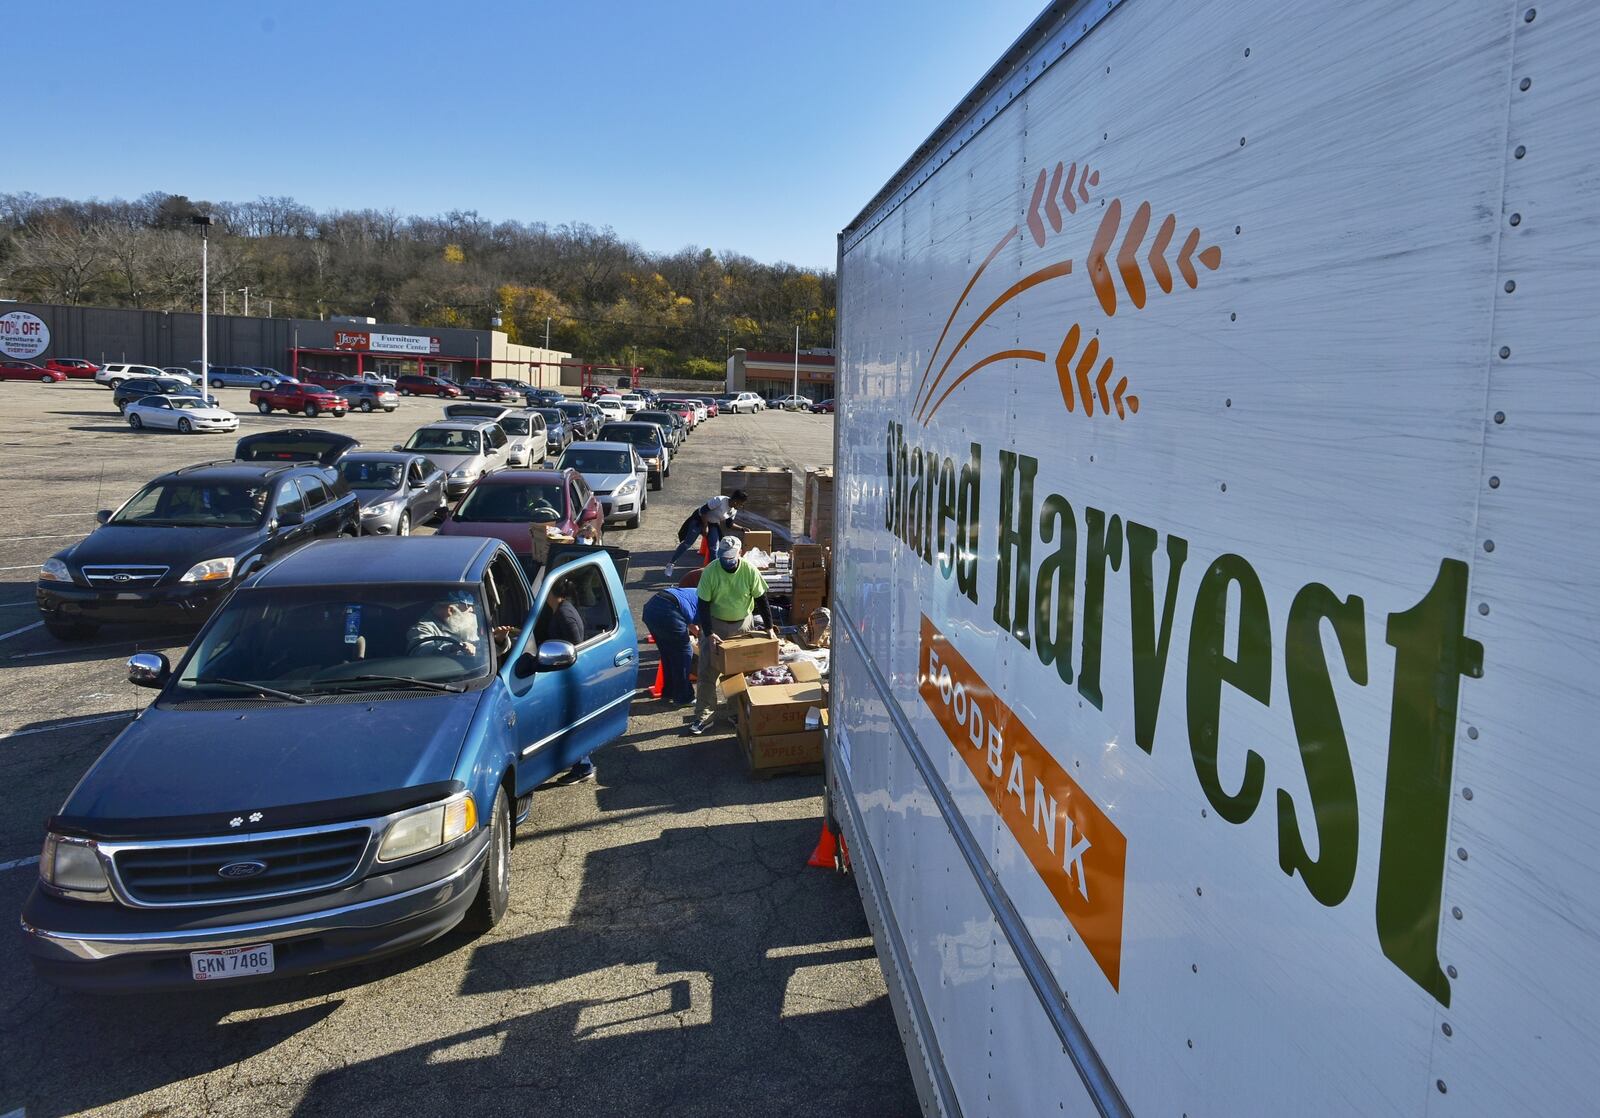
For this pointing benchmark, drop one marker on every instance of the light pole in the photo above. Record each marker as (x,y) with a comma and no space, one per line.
(246,292)
(204,221)
(796,390)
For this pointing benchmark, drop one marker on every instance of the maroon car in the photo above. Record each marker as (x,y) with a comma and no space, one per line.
(326,380)
(74,367)
(510,504)
(27,370)
(411,384)
(480,388)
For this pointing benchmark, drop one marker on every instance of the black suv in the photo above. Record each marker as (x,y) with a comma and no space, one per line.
(179,546)
(137,388)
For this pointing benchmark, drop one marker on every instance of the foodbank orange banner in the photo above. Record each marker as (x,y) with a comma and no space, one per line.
(1073,846)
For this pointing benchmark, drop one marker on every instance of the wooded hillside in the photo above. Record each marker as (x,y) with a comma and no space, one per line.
(606,298)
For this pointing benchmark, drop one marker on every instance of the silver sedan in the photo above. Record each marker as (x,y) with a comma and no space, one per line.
(397,491)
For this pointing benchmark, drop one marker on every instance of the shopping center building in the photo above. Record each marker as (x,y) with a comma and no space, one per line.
(291,345)
(773,374)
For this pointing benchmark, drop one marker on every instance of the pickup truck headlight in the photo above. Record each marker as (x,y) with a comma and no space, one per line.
(382,508)
(426,828)
(73,866)
(212,570)
(54,570)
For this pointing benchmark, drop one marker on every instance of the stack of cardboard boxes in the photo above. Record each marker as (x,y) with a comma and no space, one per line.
(770,489)
(780,724)
(819,505)
(810,581)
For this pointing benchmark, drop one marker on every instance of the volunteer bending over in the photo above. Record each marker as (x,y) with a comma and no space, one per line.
(730,591)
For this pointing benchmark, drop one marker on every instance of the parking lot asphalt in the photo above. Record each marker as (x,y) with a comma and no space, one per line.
(666,951)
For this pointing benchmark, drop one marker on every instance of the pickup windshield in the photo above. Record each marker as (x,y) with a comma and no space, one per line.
(441,440)
(345,639)
(512,503)
(194,504)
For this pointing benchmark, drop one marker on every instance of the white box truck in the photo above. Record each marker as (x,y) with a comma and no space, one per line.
(1218,574)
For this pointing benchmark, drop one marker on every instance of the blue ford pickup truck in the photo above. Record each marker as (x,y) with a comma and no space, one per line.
(336,768)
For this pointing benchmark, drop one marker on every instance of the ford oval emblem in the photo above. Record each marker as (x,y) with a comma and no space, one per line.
(242,869)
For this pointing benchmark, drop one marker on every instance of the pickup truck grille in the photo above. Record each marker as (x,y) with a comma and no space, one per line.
(191,874)
(130,577)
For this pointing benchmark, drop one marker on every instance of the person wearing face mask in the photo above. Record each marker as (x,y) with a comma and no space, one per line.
(711,520)
(450,627)
(731,590)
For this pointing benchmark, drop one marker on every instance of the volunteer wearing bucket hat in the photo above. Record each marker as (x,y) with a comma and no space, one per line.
(730,589)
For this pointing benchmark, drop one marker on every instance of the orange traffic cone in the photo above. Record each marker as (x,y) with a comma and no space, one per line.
(661,681)
(831,852)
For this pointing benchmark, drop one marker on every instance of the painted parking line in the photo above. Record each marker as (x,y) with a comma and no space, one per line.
(24,567)
(16,605)
(135,645)
(47,536)
(24,629)
(17,865)
(125,716)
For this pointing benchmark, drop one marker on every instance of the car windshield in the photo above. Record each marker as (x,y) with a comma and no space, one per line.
(444,440)
(371,475)
(646,438)
(187,403)
(515,424)
(653,417)
(574,410)
(333,640)
(597,461)
(195,504)
(552,415)
(512,503)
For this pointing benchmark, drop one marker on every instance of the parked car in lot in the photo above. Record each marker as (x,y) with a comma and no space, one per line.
(411,384)
(114,374)
(593,391)
(245,376)
(631,401)
(369,377)
(793,403)
(823,407)
(672,425)
(326,379)
(396,491)
(177,547)
(649,440)
(611,407)
(365,396)
(505,505)
(481,388)
(466,449)
(684,411)
(27,370)
(137,388)
(179,413)
(74,368)
(330,773)
(616,474)
(546,397)
(309,400)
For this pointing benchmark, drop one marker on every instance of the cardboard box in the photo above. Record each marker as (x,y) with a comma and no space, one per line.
(761,540)
(776,708)
(806,556)
(812,579)
(737,655)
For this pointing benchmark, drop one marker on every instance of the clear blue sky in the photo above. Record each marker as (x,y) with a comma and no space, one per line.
(754,126)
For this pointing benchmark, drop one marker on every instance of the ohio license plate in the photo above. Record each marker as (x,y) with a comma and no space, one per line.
(232,962)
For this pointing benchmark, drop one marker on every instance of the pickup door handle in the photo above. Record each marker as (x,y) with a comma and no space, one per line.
(623,657)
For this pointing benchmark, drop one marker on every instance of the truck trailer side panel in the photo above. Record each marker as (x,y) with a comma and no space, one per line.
(1218,415)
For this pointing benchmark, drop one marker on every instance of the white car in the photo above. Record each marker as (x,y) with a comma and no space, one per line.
(179,413)
(613,407)
(113,375)
(746,402)
(793,403)
(632,401)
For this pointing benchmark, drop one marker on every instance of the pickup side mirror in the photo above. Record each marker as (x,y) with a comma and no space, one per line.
(552,656)
(151,669)
(103,515)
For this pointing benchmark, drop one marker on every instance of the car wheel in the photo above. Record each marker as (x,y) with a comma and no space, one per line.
(183,424)
(216,384)
(633,521)
(312,410)
(264,408)
(135,422)
(115,383)
(265,386)
(494,887)
(366,405)
(404,527)
(47,379)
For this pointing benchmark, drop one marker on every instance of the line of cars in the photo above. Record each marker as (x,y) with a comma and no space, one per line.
(335,768)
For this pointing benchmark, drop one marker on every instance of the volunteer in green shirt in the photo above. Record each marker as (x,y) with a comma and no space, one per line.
(731,589)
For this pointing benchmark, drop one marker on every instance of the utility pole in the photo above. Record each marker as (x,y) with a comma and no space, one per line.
(796,391)
(224,300)
(547,332)
(246,291)
(205,221)
(269,308)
